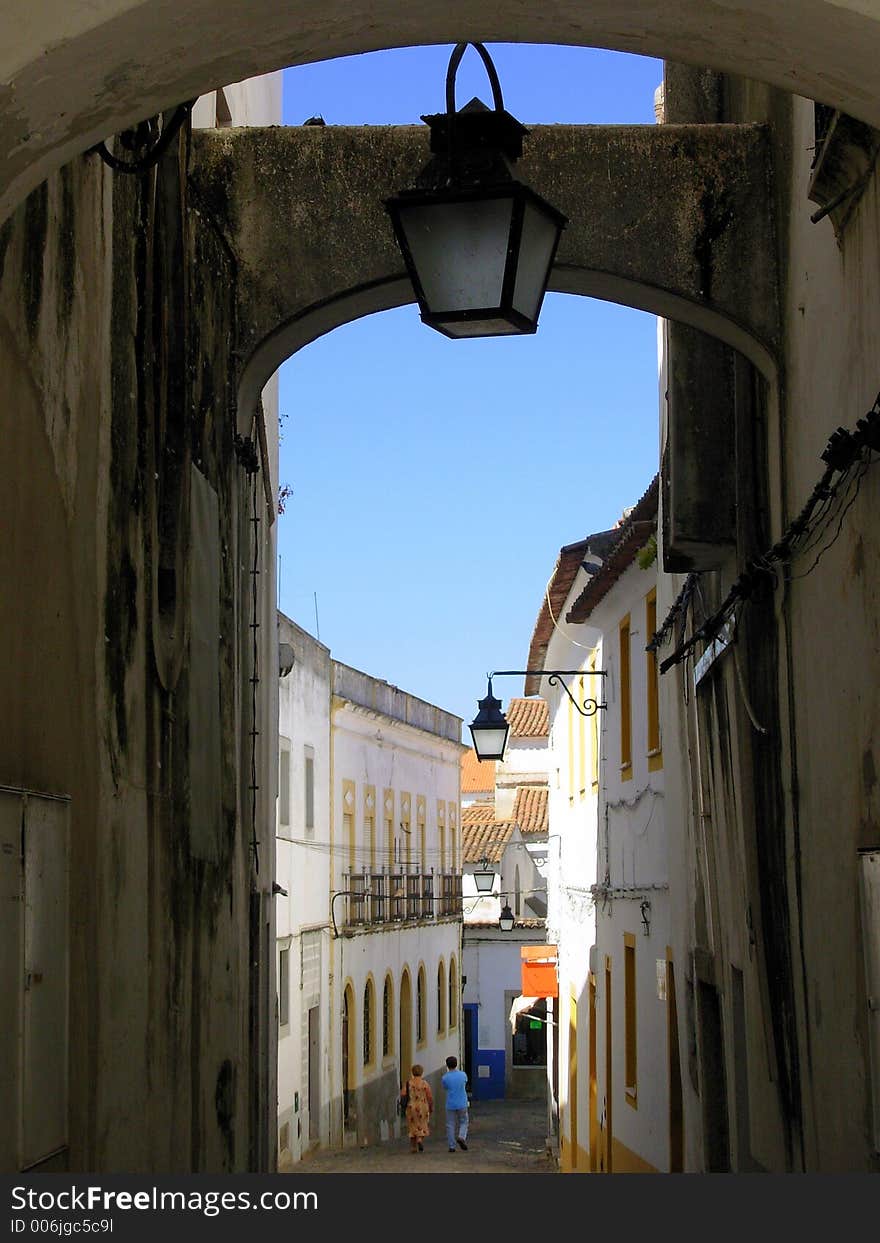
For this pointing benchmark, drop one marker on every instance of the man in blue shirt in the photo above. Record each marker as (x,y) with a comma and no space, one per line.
(455,1085)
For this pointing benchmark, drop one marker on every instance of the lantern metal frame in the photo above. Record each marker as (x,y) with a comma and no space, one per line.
(507,919)
(484,877)
(473,152)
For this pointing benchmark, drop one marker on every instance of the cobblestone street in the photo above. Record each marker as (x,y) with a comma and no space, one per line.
(504,1137)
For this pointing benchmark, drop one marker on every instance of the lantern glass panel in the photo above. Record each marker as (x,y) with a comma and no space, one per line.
(489,742)
(539,235)
(459,250)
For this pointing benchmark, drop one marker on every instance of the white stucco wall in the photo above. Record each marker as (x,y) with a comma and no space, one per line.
(255,101)
(303,870)
(631,806)
(632,847)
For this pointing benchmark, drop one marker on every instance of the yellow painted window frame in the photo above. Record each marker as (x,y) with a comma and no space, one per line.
(406,823)
(441,831)
(453,993)
(452,822)
(370,823)
(422,828)
(582,740)
(571,770)
(625,700)
(594,725)
(388,816)
(349,823)
(655,748)
(630,1022)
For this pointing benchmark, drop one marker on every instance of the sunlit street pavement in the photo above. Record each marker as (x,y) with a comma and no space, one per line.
(505,1137)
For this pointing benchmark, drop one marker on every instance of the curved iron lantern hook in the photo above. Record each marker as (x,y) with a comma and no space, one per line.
(589,707)
(454,62)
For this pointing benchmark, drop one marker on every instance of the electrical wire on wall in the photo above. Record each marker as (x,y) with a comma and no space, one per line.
(847,455)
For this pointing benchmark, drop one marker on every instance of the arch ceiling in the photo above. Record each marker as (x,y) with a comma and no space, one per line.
(74,71)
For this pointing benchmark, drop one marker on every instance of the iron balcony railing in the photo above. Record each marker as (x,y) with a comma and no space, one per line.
(397,894)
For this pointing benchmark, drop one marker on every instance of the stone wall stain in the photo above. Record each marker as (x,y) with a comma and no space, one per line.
(120,626)
(224,1107)
(66,247)
(5,239)
(35,234)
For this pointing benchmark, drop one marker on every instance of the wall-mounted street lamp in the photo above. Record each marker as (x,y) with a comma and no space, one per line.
(484,877)
(506,919)
(478,243)
(489,728)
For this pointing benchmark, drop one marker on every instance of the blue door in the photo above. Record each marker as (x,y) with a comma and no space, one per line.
(483,1067)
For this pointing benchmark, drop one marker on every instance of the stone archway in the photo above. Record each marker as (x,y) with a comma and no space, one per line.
(683,228)
(74,72)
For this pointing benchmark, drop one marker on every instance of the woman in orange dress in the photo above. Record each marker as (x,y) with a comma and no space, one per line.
(419,1109)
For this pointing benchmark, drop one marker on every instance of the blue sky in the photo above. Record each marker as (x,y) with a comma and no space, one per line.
(396,441)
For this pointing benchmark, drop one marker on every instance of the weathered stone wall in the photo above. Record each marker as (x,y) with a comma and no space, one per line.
(116,321)
(681,228)
(775,790)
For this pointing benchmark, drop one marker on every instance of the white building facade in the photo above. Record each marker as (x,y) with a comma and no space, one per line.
(395,900)
(615,1082)
(368,902)
(302,903)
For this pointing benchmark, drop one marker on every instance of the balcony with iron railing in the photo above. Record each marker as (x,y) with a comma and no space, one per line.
(397,894)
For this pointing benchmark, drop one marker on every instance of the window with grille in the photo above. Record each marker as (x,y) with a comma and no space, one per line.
(420,1007)
(386,1018)
(368,1022)
(453,995)
(441,998)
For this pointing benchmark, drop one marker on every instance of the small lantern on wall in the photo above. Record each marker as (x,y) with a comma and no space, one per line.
(484,877)
(489,728)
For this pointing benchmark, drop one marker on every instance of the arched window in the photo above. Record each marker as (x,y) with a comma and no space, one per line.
(368,1022)
(453,994)
(441,998)
(421,1008)
(349,1050)
(387,1018)
(516,895)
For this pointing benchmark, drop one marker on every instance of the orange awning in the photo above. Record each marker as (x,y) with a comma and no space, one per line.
(539,971)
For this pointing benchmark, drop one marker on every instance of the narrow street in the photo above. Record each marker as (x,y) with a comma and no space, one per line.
(505,1137)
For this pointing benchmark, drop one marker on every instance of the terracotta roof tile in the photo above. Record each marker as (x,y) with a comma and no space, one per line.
(528,718)
(476,775)
(493,923)
(478,813)
(530,810)
(634,532)
(483,838)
